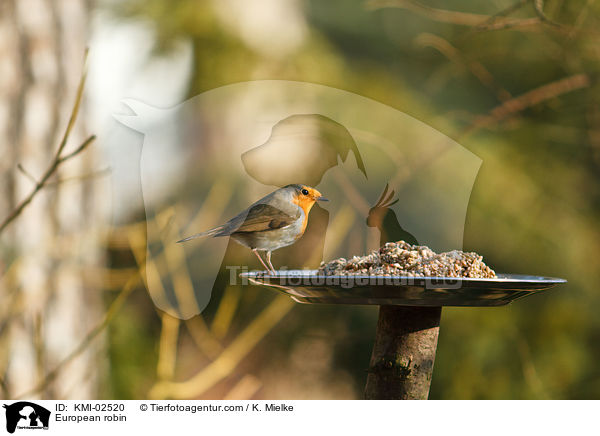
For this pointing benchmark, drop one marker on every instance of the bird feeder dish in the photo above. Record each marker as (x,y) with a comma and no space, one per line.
(410,309)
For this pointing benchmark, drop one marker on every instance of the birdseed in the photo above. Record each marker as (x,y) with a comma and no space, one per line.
(403,259)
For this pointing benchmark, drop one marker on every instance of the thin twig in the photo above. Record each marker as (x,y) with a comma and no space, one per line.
(40,185)
(504,25)
(58,160)
(531,98)
(496,23)
(75,109)
(88,176)
(244,389)
(78,150)
(447,16)
(27,174)
(503,13)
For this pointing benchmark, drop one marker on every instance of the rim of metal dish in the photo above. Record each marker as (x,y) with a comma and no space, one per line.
(516,278)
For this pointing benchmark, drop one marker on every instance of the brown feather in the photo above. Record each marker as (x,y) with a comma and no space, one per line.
(260,217)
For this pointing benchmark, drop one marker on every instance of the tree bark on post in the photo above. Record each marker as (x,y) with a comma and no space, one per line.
(404,352)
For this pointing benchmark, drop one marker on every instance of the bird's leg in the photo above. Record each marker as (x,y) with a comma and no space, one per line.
(269,262)
(255,251)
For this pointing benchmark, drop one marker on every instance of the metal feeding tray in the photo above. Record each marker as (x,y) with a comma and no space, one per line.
(306,286)
(410,309)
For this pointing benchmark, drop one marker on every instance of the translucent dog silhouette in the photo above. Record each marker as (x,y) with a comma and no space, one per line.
(210,157)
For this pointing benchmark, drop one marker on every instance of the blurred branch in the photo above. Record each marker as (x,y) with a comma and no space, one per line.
(38,346)
(493,23)
(530,373)
(88,176)
(531,98)
(538,6)
(135,234)
(89,374)
(203,338)
(174,255)
(75,110)
(3,388)
(580,18)
(224,361)
(453,17)
(245,389)
(593,131)
(509,24)
(167,348)
(361,205)
(27,174)
(213,205)
(504,12)
(341,224)
(228,360)
(474,67)
(87,340)
(151,277)
(224,315)
(58,159)
(56,163)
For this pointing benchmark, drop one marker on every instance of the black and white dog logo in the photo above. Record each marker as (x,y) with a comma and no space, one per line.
(26,415)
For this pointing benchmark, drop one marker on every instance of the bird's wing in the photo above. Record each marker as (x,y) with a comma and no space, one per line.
(257,218)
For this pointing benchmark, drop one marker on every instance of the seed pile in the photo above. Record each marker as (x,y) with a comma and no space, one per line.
(403,259)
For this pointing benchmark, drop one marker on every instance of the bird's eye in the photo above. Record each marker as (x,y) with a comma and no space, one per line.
(305,192)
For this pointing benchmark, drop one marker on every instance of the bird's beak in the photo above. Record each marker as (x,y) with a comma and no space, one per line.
(321,198)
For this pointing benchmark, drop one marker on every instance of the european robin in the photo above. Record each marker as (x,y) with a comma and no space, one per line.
(275,221)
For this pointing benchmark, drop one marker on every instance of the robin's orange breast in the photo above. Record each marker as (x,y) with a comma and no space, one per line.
(306,205)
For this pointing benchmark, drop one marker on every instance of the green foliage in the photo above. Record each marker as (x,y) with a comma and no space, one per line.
(132,350)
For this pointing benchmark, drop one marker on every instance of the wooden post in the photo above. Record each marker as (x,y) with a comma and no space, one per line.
(404,353)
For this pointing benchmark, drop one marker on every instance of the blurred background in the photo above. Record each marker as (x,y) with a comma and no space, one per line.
(513,82)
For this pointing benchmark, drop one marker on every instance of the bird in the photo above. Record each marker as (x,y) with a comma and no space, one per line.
(277,220)
(384,218)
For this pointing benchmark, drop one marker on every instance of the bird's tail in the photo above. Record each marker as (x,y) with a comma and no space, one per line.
(211,232)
